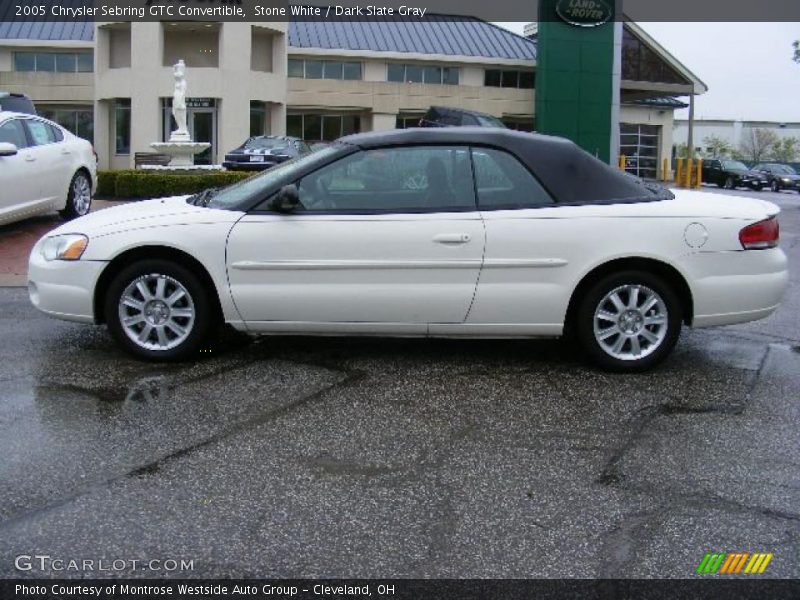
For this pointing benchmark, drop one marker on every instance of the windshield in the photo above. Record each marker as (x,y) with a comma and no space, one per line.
(488,121)
(238,192)
(265,143)
(734,165)
(785,169)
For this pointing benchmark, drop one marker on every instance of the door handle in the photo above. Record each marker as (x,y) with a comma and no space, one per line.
(30,158)
(452,238)
(65,151)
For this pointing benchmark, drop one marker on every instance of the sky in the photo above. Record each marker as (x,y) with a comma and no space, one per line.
(747,67)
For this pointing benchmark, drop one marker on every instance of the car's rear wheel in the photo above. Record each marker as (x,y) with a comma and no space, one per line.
(629,321)
(79,197)
(159,310)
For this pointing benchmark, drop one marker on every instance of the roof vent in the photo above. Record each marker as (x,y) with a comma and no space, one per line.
(530,30)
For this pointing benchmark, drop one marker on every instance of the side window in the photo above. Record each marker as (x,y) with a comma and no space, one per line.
(12,132)
(41,133)
(58,135)
(503,183)
(410,179)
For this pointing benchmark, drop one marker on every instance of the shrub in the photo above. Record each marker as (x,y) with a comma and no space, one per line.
(157,184)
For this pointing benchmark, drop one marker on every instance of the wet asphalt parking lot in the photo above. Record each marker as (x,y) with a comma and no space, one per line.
(303,457)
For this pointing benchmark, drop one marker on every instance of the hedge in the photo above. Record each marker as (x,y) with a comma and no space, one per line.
(156,184)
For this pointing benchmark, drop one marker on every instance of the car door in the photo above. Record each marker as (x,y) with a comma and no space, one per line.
(19,180)
(712,172)
(53,160)
(384,241)
(522,288)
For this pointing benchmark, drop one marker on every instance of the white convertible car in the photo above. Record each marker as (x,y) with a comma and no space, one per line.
(452,232)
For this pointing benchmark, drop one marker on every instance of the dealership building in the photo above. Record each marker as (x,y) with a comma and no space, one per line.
(112,82)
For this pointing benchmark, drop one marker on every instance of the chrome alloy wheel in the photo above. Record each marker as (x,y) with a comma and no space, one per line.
(630,322)
(156,312)
(81,195)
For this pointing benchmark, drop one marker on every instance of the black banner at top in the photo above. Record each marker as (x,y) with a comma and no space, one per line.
(305,10)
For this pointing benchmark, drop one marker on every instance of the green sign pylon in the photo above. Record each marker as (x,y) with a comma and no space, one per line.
(579,64)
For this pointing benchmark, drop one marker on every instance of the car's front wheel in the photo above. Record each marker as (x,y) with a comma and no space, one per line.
(629,321)
(729,183)
(79,197)
(159,310)
(775,186)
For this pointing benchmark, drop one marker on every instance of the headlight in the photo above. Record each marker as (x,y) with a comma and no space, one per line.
(64,247)
(786,180)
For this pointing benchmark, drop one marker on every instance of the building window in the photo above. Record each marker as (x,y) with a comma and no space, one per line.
(324,69)
(414,73)
(519,124)
(54,62)
(509,78)
(321,128)
(640,63)
(78,121)
(406,121)
(122,126)
(258,117)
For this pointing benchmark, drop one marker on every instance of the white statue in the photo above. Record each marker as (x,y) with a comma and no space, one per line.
(179,102)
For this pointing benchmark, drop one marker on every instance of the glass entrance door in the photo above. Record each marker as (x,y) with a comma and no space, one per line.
(201,128)
(201,120)
(639,144)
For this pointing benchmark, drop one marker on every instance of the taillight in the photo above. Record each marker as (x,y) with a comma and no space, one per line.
(758,236)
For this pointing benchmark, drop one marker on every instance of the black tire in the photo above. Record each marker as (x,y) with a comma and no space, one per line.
(758,188)
(591,302)
(775,186)
(77,205)
(198,299)
(730,184)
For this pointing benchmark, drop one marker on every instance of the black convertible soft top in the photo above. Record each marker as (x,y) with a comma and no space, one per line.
(570,174)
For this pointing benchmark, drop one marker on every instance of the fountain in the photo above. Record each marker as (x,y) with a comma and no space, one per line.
(180,145)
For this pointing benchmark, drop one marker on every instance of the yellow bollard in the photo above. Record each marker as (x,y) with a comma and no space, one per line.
(688,173)
(678,171)
(665,170)
(621,162)
(699,173)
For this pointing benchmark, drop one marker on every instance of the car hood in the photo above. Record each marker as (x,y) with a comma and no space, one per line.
(160,212)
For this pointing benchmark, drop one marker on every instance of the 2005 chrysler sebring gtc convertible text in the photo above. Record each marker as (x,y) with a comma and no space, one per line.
(471,232)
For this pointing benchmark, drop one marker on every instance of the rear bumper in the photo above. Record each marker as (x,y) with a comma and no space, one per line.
(736,287)
(63,289)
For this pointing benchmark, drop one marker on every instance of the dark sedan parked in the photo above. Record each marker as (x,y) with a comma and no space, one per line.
(780,177)
(264,151)
(731,174)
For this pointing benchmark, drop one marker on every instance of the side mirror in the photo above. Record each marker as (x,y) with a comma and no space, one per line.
(286,199)
(7,149)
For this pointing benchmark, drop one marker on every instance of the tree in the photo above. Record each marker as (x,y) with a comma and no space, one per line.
(785,149)
(717,147)
(682,150)
(757,143)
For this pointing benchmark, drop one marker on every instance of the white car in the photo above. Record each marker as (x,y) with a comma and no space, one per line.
(451,232)
(43,167)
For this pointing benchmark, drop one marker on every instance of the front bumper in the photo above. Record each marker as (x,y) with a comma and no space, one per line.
(63,289)
(752,183)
